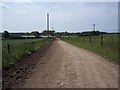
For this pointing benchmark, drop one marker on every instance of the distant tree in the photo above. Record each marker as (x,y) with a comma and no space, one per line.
(52,33)
(27,33)
(35,33)
(6,34)
(58,34)
(45,32)
(66,33)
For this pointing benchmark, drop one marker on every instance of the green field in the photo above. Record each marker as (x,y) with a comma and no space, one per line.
(17,41)
(19,48)
(109,49)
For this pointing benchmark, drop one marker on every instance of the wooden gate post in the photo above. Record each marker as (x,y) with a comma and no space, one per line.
(101,39)
(90,37)
(8,46)
(83,38)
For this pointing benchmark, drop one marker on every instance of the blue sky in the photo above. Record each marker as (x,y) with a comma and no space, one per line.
(64,16)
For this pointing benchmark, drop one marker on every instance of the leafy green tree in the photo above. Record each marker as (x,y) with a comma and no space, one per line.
(45,32)
(35,33)
(6,34)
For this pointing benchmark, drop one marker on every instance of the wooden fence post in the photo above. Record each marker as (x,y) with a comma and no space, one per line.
(8,46)
(90,37)
(101,39)
(83,38)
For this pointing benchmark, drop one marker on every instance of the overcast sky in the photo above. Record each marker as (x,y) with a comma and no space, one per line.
(64,16)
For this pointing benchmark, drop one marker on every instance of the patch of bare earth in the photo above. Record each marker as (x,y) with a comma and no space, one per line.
(67,66)
(17,74)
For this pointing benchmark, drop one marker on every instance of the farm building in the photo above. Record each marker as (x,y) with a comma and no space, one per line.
(28,36)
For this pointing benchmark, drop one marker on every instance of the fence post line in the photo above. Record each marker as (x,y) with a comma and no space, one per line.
(8,46)
(101,39)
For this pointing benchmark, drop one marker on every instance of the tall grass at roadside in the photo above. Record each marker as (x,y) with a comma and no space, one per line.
(109,49)
(19,50)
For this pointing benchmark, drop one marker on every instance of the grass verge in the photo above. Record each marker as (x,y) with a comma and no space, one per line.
(109,49)
(20,50)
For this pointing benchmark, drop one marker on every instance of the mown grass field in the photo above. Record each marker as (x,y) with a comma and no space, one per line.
(19,48)
(109,49)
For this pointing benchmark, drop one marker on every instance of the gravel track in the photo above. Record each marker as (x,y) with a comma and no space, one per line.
(67,66)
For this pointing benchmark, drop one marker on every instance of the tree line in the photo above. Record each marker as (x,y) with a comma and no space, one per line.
(9,35)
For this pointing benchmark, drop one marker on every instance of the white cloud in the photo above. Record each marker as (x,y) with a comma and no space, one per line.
(3,5)
(28,2)
(64,0)
(22,12)
(23,1)
(67,19)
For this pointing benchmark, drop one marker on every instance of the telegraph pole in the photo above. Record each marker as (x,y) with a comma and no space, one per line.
(94,27)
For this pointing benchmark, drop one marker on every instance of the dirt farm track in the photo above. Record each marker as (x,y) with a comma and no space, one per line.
(63,66)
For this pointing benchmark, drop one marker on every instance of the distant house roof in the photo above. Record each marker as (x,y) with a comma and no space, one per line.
(27,36)
(50,36)
(43,36)
(46,36)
